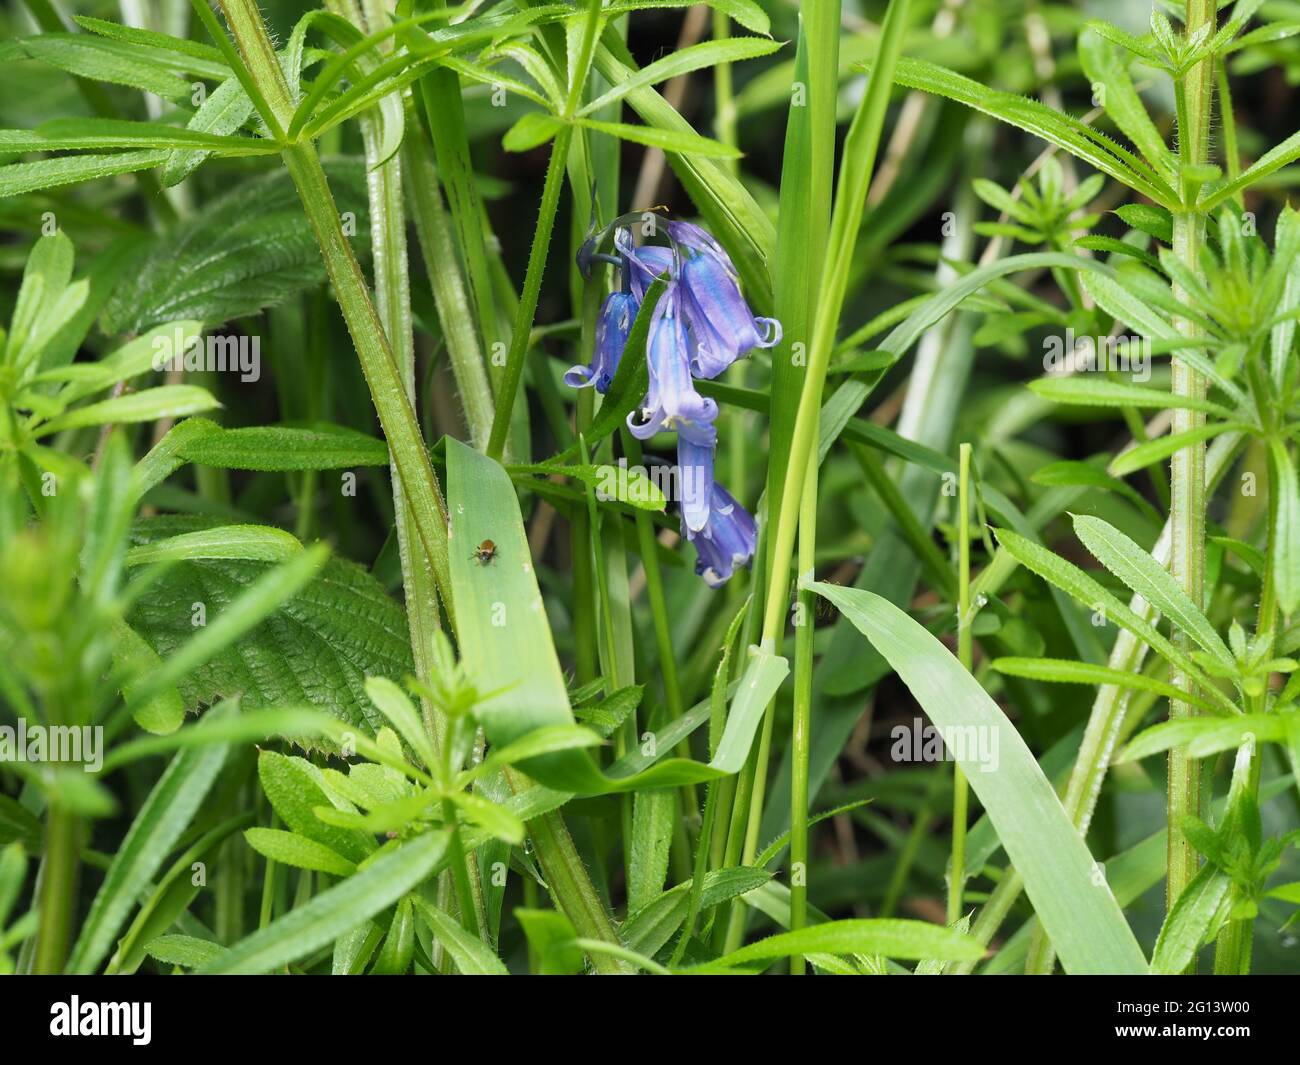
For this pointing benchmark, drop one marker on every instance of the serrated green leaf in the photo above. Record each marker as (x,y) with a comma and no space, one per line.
(532,130)
(1042,121)
(1189,921)
(243,251)
(188,952)
(1148,452)
(1286,529)
(17,178)
(136,357)
(1074,581)
(682,142)
(1067,671)
(100,133)
(254,543)
(294,789)
(683,61)
(140,66)
(890,938)
(1103,66)
(1204,736)
(1154,221)
(316,649)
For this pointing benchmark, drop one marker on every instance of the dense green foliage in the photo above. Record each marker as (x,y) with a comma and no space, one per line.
(350,613)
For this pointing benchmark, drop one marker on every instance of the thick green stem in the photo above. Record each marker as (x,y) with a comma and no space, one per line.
(1187,488)
(460,866)
(387,389)
(439,95)
(58,890)
(393,305)
(570,885)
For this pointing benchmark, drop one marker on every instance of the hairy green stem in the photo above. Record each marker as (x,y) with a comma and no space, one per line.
(522,333)
(569,884)
(387,389)
(1108,719)
(1187,481)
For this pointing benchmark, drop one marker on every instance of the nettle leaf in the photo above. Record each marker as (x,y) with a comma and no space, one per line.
(243,251)
(318,648)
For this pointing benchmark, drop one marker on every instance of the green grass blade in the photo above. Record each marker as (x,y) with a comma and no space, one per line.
(1084,921)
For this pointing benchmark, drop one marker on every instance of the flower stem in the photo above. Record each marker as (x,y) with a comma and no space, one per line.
(801,732)
(519,337)
(965,650)
(542,239)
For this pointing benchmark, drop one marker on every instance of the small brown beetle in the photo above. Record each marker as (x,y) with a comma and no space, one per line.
(484,553)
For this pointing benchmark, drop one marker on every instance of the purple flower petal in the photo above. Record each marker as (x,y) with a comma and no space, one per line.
(727,539)
(617,314)
(694,480)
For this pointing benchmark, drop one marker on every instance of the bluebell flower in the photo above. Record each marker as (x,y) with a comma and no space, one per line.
(673,404)
(700,326)
(641,266)
(617,314)
(722,326)
(727,539)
